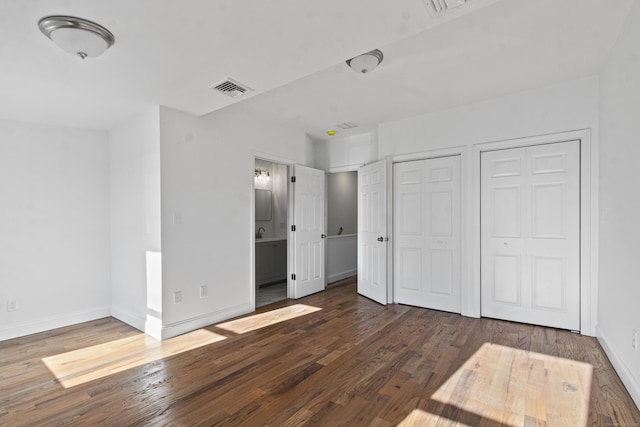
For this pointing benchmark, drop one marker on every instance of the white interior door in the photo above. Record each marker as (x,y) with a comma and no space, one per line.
(426,232)
(530,234)
(372,231)
(308,236)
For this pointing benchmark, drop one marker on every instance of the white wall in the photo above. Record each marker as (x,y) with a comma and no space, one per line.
(567,106)
(207,174)
(54,227)
(342,202)
(620,204)
(134,178)
(345,153)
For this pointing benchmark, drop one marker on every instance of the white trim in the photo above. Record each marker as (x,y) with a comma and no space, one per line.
(588,214)
(174,329)
(389,191)
(42,325)
(348,168)
(625,374)
(468,296)
(429,154)
(153,326)
(271,158)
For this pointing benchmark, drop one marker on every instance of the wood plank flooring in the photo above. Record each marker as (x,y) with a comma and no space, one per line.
(333,358)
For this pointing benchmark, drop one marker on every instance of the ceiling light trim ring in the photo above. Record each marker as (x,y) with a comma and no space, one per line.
(49,24)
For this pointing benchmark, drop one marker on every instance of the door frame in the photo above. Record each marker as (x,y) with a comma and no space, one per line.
(588,221)
(256,155)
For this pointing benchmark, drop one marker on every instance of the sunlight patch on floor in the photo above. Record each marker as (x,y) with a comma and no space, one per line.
(515,387)
(87,364)
(418,417)
(257,321)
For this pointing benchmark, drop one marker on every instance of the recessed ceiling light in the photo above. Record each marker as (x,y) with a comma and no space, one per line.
(77,36)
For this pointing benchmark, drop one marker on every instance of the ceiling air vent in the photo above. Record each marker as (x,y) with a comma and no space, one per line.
(347,125)
(438,7)
(231,88)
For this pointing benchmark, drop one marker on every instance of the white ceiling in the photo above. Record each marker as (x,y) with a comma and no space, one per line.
(292,53)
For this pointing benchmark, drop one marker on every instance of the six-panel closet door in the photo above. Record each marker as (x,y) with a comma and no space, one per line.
(426,233)
(530,234)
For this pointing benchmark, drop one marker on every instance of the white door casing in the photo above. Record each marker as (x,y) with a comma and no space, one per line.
(309,235)
(427,233)
(530,234)
(372,231)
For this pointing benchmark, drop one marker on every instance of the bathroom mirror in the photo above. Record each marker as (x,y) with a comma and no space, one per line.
(263,205)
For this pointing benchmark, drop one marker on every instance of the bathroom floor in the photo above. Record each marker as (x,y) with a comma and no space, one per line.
(271,293)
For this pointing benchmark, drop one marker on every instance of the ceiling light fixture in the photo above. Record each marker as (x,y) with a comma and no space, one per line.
(366,62)
(76,35)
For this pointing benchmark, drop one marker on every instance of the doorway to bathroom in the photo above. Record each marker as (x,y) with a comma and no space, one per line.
(271,206)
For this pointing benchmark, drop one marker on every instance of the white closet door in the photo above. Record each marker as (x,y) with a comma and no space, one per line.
(372,231)
(427,233)
(308,237)
(530,234)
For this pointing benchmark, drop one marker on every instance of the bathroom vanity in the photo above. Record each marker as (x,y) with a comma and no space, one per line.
(271,260)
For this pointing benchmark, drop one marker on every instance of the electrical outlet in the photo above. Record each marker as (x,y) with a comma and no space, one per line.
(177,297)
(634,339)
(12,305)
(177,218)
(203,291)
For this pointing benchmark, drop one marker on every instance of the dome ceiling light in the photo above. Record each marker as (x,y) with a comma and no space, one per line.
(366,62)
(77,36)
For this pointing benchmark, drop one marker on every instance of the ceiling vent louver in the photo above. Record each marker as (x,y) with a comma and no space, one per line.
(438,7)
(347,125)
(231,88)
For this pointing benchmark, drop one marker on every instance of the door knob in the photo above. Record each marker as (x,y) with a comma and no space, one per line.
(380,239)
(322,236)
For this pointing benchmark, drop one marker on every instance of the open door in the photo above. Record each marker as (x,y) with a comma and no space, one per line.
(308,275)
(372,231)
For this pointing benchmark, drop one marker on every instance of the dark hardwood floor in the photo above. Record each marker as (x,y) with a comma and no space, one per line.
(333,358)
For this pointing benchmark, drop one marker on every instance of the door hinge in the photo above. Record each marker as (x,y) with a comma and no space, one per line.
(293,228)
(293,277)
(293,179)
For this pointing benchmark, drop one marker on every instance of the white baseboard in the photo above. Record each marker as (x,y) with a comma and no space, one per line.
(342,275)
(188,325)
(629,381)
(128,318)
(46,324)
